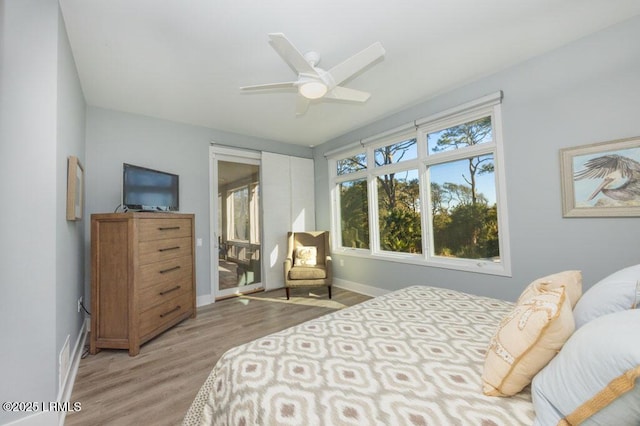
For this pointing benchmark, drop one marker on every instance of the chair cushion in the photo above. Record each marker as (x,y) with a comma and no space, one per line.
(305,256)
(317,239)
(308,273)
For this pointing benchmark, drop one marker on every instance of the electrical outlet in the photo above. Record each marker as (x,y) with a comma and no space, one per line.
(79,303)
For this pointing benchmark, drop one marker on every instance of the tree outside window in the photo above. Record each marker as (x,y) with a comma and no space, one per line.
(354,212)
(459,205)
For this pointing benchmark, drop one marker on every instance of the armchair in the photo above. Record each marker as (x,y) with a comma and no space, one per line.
(308,262)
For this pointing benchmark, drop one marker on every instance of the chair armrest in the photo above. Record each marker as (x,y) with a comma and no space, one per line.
(328,262)
(288,263)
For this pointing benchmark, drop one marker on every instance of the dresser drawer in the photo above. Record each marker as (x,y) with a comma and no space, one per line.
(161,315)
(160,250)
(160,293)
(172,270)
(159,229)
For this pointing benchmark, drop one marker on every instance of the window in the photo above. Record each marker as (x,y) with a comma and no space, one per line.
(354,211)
(399,212)
(430,195)
(352,164)
(397,152)
(242,213)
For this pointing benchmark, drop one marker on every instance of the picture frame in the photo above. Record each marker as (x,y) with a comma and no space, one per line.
(75,188)
(601,179)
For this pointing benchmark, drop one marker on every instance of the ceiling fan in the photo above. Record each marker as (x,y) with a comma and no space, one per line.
(314,82)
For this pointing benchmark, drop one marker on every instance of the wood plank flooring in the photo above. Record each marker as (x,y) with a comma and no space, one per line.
(157,386)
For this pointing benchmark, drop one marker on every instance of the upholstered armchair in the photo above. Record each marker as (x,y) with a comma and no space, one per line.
(308,262)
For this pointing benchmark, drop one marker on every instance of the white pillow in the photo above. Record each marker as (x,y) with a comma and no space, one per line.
(595,377)
(306,256)
(614,293)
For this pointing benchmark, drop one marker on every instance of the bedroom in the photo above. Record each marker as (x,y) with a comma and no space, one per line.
(584,92)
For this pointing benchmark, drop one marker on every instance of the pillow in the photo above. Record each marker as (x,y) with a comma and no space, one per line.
(614,293)
(593,376)
(526,340)
(571,280)
(305,256)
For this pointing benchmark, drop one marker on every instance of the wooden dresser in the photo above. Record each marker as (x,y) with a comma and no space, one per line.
(142,277)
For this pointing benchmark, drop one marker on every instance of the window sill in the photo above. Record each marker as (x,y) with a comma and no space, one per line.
(467,265)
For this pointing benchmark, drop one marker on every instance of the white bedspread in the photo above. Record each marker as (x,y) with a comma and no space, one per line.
(410,357)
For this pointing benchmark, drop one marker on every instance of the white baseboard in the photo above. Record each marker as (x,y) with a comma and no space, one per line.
(53,418)
(359,288)
(46,418)
(203,300)
(367,290)
(64,394)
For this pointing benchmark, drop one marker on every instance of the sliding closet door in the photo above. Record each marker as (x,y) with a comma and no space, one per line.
(288,201)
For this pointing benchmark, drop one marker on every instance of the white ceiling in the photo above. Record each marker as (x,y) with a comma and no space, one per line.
(184,60)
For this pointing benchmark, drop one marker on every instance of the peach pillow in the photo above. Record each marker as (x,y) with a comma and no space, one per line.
(527,339)
(570,280)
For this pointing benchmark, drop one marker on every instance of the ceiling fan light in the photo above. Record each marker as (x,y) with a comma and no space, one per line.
(312,89)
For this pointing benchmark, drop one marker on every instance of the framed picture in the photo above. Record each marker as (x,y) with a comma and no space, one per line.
(75,188)
(602,179)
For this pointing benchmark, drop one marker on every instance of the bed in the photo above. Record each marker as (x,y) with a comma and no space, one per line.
(411,357)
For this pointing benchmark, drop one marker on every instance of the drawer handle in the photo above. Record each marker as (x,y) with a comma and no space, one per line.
(177,308)
(168,228)
(168,249)
(164,271)
(162,293)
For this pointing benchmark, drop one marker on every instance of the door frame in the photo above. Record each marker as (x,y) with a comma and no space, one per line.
(236,155)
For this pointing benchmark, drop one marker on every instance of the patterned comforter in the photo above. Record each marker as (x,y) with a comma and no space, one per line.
(410,357)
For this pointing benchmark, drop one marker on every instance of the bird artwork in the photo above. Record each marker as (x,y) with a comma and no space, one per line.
(619,175)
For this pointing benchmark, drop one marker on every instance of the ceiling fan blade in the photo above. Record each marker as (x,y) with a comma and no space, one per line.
(351,66)
(302,105)
(290,54)
(282,85)
(346,94)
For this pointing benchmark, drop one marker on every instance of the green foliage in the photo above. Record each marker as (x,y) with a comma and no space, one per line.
(464,224)
(400,231)
(468,231)
(354,211)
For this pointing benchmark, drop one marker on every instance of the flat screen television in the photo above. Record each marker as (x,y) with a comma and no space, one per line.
(146,189)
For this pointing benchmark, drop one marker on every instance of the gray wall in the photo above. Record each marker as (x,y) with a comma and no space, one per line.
(70,240)
(585,92)
(114,138)
(41,123)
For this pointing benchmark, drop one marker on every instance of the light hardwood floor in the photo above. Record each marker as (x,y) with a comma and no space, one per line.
(157,386)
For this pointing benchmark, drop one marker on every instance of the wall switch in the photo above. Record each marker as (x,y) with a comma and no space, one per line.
(199,242)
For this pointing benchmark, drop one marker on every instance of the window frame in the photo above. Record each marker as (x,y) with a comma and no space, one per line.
(488,106)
